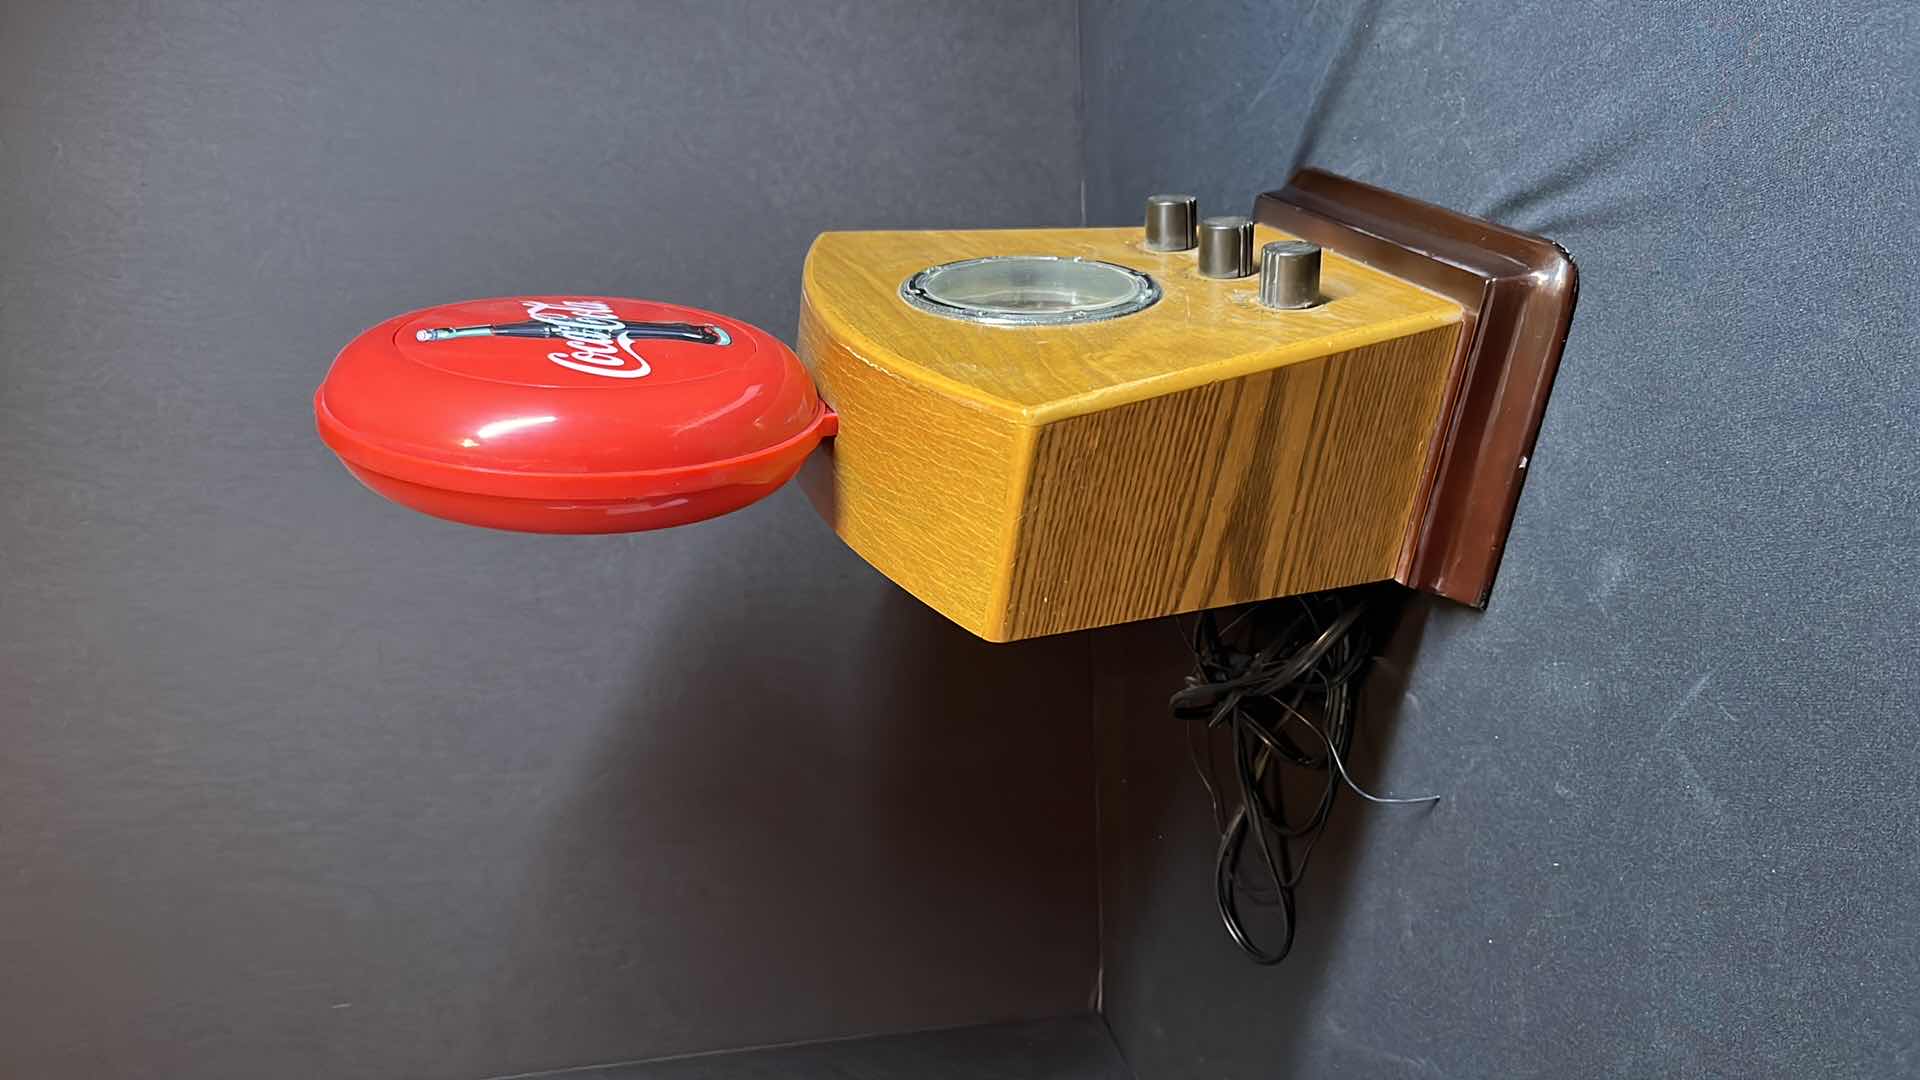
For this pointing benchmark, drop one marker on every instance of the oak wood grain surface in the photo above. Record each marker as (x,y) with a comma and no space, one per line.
(1281,482)
(1033,480)
(1203,330)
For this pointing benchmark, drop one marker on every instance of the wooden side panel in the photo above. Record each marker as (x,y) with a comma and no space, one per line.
(924,486)
(1286,481)
(1516,292)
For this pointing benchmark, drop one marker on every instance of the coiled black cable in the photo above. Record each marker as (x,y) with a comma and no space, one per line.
(1302,680)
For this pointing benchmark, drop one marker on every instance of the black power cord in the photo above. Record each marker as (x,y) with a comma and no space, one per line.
(1287,705)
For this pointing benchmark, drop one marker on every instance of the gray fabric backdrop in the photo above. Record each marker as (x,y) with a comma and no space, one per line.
(1679,751)
(297,784)
(294,783)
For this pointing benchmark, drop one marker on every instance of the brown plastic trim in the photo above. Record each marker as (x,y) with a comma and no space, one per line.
(1517,291)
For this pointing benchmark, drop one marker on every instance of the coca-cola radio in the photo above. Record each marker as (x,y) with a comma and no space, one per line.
(1034,431)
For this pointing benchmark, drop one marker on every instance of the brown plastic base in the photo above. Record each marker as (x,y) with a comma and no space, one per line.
(1518,293)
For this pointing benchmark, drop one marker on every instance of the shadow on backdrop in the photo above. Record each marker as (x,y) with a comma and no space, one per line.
(1158,839)
(858,830)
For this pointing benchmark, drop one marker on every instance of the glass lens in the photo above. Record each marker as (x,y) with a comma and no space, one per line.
(1030,289)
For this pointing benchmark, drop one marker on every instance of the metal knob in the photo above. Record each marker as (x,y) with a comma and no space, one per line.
(1226,247)
(1290,274)
(1170,221)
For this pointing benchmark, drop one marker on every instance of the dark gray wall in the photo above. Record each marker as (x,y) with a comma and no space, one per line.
(1678,752)
(294,783)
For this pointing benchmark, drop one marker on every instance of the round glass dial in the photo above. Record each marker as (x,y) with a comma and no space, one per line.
(1030,290)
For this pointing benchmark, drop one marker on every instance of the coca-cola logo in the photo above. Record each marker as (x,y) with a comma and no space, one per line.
(597,340)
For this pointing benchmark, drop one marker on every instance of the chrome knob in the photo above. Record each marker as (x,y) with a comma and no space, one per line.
(1226,247)
(1290,274)
(1170,222)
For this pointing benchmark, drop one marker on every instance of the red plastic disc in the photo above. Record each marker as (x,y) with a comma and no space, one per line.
(570,414)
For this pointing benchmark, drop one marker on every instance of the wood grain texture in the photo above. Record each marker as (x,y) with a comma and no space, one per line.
(1283,482)
(1202,331)
(928,487)
(1033,480)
